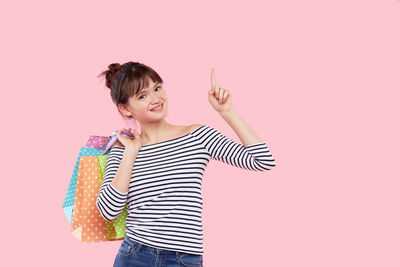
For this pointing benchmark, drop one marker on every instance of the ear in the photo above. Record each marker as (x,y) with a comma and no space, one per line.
(124,110)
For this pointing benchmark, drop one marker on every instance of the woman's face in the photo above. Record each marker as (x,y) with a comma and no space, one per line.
(141,105)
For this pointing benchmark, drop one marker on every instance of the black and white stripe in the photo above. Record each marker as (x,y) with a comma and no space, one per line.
(164,198)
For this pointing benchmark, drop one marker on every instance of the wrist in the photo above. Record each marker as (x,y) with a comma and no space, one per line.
(131,152)
(227,113)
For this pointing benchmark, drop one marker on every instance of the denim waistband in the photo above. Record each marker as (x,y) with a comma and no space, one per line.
(140,246)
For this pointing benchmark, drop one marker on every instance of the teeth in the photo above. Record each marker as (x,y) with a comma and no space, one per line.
(157,108)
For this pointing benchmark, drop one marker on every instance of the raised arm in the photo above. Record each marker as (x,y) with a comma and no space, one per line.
(253,154)
(255,157)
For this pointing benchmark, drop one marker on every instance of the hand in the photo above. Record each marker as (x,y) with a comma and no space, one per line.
(133,144)
(219,98)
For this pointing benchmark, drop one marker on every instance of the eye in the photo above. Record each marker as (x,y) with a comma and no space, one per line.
(140,97)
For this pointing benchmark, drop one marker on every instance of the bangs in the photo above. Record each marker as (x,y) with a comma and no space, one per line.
(140,80)
(131,81)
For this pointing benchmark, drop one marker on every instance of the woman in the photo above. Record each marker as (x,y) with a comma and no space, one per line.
(159,172)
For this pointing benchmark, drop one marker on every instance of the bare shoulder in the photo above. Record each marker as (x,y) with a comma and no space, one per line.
(194,127)
(117,144)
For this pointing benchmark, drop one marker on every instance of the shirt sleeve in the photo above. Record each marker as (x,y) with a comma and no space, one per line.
(254,157)
(111,201)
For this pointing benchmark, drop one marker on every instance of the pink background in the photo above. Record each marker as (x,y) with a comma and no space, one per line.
(317,80)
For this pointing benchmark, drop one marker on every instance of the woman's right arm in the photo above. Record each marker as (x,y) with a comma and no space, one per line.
(117,176)
(122,178)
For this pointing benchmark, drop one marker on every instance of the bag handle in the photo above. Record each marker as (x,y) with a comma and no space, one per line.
(113,139)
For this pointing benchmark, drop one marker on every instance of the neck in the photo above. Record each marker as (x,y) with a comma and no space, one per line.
(154,132)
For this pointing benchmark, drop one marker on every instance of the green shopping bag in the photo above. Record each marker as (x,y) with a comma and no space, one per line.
(116,228)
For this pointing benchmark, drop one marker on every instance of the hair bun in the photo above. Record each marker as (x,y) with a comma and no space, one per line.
(113,68)
(110,73)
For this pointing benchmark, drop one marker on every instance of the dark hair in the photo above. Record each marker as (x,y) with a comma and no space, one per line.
(127,80)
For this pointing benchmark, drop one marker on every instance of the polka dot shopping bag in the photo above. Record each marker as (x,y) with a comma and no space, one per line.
(116,228)
(87,224)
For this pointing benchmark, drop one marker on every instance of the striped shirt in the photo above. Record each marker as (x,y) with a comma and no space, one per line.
(164,199)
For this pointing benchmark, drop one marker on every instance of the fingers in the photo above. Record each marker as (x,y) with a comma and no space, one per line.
(216,90)
(212,78)
(225,95)
(220,95)
(135,133)
(214,86)
(129,130)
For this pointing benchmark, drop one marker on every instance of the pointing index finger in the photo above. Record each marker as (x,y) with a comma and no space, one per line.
(212,78)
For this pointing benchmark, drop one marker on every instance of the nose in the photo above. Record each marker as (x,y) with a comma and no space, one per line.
(155,99)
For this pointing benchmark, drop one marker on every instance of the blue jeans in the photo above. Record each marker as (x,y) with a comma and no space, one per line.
(135,254)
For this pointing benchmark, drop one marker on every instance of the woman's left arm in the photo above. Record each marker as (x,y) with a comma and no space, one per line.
(241,128)
(221,100)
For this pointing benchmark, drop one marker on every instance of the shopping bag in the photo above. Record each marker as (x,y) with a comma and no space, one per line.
(70,196)
(95,146)
(116,228)
(87,223)
(78,203)
(98,142)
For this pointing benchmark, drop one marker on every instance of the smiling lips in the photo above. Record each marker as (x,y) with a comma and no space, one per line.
(159,107)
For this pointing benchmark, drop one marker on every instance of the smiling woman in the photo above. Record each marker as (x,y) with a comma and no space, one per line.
(159,172)
(130,79)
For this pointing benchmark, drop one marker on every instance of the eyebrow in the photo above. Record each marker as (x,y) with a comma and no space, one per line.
(157,83)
